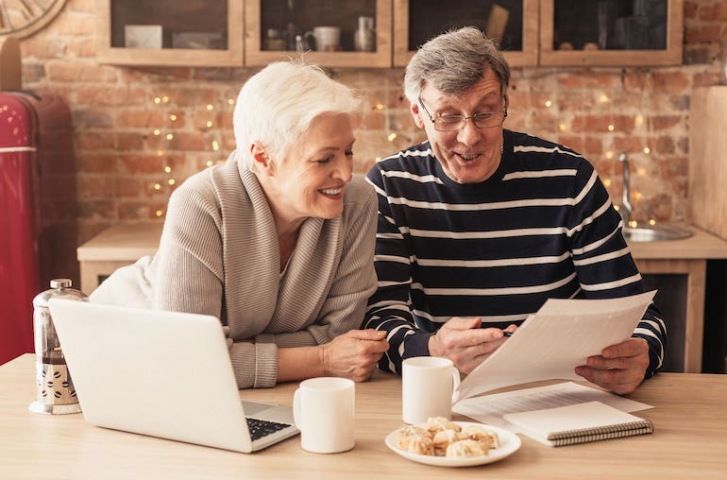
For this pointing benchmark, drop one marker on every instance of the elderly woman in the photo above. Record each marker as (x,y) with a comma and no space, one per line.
(278,242)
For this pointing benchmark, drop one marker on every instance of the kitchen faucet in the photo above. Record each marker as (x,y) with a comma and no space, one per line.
(626,207)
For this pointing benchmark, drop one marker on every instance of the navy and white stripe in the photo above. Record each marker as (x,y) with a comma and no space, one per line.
(541,227)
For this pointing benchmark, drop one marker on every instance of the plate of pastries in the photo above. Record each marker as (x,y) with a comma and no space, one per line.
(445,443)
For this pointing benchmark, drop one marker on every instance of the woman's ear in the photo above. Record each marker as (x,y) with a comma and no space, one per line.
(260,159)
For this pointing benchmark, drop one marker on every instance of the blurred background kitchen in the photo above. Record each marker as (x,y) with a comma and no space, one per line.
(151,86)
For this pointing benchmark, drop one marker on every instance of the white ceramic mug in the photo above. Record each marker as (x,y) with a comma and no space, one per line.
(323,409)
(327,39)
(428,385)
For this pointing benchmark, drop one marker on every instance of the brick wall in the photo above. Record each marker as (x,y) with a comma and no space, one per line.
(139,132)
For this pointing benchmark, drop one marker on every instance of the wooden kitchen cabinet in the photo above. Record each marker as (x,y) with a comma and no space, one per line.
(611,32)
(678,270)
(271,27)
(513,22)
(235,33)
(170,32)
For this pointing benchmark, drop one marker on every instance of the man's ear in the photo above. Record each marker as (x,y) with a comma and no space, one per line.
(260,159)
(417,114)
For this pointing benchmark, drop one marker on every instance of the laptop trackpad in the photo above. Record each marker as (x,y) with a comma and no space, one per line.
(253,408)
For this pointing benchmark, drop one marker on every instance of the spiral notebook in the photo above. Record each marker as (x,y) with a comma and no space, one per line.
(578,423)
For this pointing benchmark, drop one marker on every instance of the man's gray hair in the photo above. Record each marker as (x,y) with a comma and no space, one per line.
(453,62)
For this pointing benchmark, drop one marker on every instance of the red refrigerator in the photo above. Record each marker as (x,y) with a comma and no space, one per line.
(37,210)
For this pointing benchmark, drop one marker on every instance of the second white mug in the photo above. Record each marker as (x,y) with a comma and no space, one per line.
(428,385)
(327,39)
(323,409)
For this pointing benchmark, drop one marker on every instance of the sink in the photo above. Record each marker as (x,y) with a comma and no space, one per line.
(655,233)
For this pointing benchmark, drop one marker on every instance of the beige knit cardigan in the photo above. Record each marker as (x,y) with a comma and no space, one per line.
(219,255)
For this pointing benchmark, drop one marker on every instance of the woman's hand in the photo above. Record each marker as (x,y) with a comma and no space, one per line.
(354,354)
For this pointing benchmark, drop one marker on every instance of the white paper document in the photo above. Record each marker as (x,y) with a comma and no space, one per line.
(491,408)
(551,343)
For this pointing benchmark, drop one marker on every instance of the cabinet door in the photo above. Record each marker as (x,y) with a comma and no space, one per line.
(611,32)
(170,32)
(513,23)
(272,26)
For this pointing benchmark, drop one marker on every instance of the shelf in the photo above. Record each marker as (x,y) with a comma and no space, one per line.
(304,15)
(518,22)
(170,33)
(611,33)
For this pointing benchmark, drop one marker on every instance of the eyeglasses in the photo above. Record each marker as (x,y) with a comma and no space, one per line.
(450,123)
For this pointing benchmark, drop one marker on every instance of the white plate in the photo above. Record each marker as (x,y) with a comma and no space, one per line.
(509,443)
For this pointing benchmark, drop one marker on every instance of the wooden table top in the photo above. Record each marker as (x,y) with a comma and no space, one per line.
(690,441)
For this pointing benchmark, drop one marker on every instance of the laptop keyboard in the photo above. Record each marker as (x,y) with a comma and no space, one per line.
(262,428)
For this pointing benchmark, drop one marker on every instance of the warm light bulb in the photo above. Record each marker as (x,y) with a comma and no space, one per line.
(170,136)
(611,128)
(171,181)
(157,132)
(607,182)
(210,107)
(548,103)
(157,100)
(173,117)
(168,169)
(639,120)
(392,137)
(215,145)
(609,155)
(209,123)
(647,150)
(157,186)
(210,163)
(652,222)
(563,127)
(377,159)
(603,98)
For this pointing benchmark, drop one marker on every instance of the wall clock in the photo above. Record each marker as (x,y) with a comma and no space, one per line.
(23,18)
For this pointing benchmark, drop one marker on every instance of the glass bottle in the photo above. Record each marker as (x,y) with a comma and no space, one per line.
(364,39)
(55,393)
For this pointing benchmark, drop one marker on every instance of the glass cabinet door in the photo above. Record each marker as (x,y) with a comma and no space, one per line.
(611,32)
(511,23)
(333,33)
(170,32)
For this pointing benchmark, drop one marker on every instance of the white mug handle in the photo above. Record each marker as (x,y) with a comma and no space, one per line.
(297,416)
(455,383)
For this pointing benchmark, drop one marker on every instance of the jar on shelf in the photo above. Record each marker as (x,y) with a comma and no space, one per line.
(275,40)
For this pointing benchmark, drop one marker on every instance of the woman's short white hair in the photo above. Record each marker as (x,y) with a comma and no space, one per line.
(276,106)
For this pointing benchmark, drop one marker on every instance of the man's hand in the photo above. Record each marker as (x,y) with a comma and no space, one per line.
(354,354)
(463,341)
(620,368)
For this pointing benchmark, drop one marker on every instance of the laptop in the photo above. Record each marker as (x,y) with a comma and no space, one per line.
(162,374)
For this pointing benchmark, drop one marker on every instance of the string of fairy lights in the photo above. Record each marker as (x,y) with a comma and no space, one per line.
(172,177)
(167,134)
(641,131)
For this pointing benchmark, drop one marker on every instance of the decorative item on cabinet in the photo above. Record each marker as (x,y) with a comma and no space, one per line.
(364,38)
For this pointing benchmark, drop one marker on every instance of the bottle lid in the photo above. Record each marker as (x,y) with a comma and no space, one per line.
(60,288)
(61,283)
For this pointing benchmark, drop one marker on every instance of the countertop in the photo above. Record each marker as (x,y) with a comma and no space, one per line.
(129,242)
